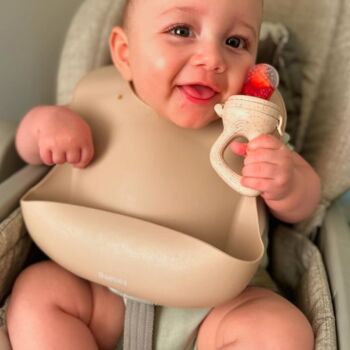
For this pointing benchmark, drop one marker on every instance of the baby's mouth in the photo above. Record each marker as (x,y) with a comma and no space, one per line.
(198,93)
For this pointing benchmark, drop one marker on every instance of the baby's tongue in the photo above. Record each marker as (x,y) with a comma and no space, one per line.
(199,91)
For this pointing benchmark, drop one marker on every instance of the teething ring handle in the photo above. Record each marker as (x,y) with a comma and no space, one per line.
(224,171)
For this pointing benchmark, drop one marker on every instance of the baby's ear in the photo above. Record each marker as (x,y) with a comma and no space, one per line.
(119,48)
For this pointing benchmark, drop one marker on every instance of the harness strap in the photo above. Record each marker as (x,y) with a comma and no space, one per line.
(138,326)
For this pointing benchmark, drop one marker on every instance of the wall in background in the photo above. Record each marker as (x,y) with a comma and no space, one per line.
(31,38)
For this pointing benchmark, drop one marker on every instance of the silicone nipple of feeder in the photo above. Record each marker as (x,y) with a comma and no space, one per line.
(262,80)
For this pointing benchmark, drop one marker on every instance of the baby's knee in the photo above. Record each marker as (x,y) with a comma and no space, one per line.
(28,290)
(268,321)
(43,285)
(282,327)
(31,280)
(257,319)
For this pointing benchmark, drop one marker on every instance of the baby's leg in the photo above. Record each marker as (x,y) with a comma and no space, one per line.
(50,308)
(257,319)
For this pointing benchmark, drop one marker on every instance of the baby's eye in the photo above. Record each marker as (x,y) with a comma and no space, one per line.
(236,42)
(181,30)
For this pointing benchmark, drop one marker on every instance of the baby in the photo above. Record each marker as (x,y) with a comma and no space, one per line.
(182,57)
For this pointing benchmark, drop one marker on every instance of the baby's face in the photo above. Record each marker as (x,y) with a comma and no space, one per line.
(184,56)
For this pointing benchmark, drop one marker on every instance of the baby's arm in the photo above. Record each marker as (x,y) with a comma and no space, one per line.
(54,135)
(288,184)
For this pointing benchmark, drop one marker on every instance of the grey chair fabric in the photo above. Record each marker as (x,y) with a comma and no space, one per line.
(9,160)
(335,247)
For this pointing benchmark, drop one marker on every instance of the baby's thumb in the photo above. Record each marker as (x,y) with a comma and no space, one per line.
(239,148)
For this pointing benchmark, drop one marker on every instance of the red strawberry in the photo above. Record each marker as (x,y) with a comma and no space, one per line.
(262,80)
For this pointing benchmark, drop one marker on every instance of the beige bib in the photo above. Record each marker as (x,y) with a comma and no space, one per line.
(149,217)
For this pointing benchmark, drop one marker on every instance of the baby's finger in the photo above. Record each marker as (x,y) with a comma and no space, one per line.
(260,170)
(270,188)
(73,156)
(265,141)
(265,155)
(87,154)
(265,186)
(261,185)
(239,148)
(46,156)
(59,157)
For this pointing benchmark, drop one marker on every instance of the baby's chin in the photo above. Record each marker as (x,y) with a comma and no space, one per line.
(193,123)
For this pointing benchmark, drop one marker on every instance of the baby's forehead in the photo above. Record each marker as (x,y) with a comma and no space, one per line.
(132,4)
(135,10)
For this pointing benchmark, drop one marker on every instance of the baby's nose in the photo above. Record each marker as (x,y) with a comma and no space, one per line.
(209,57)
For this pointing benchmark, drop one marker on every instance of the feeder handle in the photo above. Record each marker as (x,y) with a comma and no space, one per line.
(232,178)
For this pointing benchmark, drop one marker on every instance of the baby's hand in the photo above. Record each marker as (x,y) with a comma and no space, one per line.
(64,137)
(268,166)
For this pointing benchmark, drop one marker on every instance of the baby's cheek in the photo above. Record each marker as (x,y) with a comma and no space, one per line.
(160,64)
(236,80)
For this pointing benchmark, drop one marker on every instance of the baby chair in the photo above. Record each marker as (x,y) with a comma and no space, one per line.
(320,134)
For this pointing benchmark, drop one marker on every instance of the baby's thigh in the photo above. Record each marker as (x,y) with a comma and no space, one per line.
(257,319)
(45,288)
(45,284)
